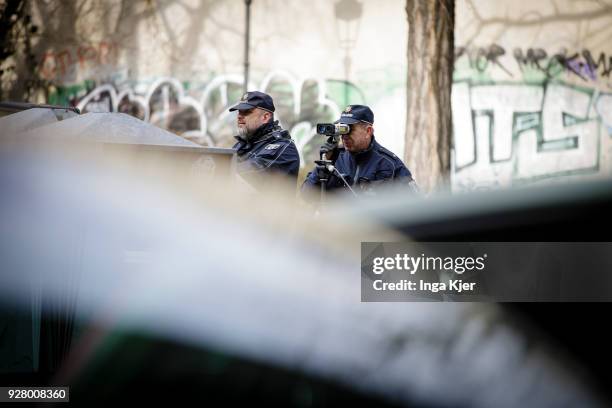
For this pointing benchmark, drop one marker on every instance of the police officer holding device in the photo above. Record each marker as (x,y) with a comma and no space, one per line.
(362,164)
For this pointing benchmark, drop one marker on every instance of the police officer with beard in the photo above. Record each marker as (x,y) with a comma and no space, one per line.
(262,147)
(363,162)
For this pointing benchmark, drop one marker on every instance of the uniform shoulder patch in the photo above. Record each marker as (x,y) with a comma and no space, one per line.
(272,146)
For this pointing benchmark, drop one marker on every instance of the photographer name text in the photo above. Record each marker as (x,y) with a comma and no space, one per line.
(453,285)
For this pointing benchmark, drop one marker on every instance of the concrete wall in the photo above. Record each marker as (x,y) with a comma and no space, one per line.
(532,96)
(532,99)
(180,64)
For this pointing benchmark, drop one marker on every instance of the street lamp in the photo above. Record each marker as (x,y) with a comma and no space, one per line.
(247,34)
(348,15)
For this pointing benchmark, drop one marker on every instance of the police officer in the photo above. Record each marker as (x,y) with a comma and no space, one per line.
(262,147)
(363,163)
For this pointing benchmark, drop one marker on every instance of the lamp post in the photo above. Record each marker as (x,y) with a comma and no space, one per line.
(348,15)
(247,34)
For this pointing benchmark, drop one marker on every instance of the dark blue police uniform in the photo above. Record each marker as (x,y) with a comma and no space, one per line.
(269,150)
(367,169)
(363,171)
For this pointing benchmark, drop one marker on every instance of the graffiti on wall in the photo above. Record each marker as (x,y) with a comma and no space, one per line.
(528,115)
(200,113)
(92,60)
(508,134)
(537,127)
(533,62)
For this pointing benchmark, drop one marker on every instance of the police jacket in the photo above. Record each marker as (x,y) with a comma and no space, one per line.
(365,170)
(269,150)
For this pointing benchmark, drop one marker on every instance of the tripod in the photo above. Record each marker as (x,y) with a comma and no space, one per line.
(325,169)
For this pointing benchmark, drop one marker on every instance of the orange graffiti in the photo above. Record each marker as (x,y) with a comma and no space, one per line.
(56,64)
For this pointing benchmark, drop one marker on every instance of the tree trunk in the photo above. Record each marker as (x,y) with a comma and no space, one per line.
(430,74)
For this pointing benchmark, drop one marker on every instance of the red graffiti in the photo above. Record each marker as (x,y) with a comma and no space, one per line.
(56,64)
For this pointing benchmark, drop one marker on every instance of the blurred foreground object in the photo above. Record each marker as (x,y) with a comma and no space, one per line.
(143,145)
(171,291)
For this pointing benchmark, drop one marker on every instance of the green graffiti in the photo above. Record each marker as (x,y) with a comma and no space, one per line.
(344,93)
(532,66)
(536,76)
(66,95)
(572,149)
